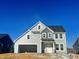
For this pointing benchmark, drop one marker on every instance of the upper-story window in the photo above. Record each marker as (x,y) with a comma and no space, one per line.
(61,36)
(49,35)
(28,36)
(56,35)
(39,27)
(43,35)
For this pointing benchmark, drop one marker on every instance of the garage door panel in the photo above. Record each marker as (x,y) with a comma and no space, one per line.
(27,48)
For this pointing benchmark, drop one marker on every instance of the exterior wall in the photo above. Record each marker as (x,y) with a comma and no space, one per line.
(57,40)
(61,41)
(34,39)
(42,27)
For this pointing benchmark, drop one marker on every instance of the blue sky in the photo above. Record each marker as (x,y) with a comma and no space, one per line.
(16,16)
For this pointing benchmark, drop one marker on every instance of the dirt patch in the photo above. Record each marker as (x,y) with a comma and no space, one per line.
(21,56)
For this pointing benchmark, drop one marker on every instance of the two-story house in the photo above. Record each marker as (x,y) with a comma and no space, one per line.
(42,39)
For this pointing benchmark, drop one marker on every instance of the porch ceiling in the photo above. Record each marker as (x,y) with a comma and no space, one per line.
(47,39)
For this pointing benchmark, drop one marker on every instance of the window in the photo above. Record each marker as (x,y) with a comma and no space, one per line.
(61,45)
(44,35)
(49,35)
(61,36)
(39,27)
(28,36)
(56,35)
(57,46)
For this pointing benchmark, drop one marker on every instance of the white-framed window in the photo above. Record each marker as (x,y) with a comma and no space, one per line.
(61,45)
(43,35)
(56,36)
(39,27)
(28,36)
(61,36)
(49,35)
(57,46)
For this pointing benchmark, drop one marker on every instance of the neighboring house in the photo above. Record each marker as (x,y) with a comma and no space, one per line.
(42,39)
(76,46)
(6,44)
(70,50)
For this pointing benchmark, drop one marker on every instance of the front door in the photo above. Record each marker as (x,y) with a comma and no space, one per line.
(48,48)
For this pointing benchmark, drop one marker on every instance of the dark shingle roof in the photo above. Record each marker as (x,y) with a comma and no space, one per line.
(3,35)
(57,28)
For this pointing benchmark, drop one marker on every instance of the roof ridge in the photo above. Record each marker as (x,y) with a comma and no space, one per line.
(54,25)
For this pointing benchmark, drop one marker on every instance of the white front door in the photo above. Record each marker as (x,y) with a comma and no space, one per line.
(48,50)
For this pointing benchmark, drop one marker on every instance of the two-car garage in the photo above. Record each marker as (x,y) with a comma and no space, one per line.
(27,48)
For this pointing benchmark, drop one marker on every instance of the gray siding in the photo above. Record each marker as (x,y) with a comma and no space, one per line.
(46,30)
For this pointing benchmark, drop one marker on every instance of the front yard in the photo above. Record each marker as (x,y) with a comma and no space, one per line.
(20,56)
(36,56)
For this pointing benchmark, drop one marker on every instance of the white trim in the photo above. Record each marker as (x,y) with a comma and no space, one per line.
(48,35)
(56,37)
(61,35)
(62,47)
(43,34)
(28,36)
(58,47)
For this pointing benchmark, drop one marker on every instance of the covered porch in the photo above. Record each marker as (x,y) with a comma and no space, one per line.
(48,46)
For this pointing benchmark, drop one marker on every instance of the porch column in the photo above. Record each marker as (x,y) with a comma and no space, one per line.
(15,48)
(53,45)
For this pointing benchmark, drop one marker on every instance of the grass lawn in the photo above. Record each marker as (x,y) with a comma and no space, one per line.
(20,56)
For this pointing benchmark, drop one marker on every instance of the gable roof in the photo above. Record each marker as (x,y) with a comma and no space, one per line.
(57,28)
(47,28)
(5,39)
(53,28)
(28,30)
